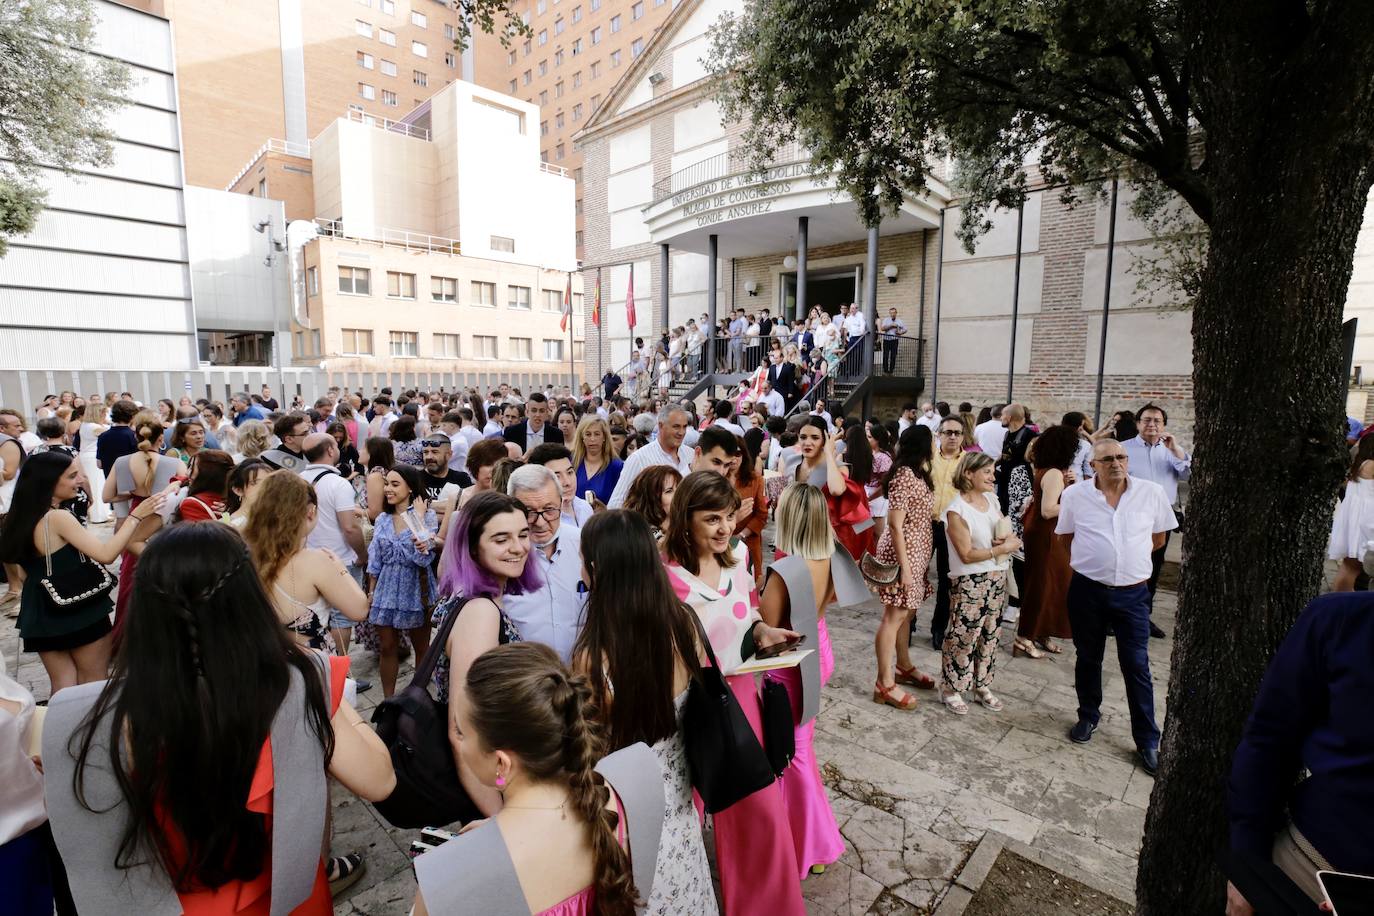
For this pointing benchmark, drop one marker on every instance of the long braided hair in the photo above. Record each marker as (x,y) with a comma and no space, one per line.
(201,672)
(524,701)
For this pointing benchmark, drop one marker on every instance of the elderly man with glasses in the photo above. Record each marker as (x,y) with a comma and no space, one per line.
(1112,523)
(1156,456)
(553,613)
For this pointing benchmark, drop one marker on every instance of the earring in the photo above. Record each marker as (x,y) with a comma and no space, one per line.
(500,781)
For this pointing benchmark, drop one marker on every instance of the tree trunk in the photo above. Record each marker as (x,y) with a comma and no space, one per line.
(1268,376)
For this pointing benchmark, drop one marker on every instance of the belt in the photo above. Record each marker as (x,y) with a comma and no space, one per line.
(1113,587)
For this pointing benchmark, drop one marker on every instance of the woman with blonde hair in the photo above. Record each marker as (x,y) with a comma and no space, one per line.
(303,583)
(801,585)
(254,438)
(598,469)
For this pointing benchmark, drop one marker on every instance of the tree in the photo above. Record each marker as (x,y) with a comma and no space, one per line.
(1256,115)
(54,102)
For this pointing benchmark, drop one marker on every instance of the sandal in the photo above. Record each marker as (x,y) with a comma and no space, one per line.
(918,679)
(954,703)
(883,695)
(343,872)
(1025,647)
(1052,647)
(989,699)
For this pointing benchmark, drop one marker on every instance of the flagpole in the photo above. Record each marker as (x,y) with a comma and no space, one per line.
(572,371)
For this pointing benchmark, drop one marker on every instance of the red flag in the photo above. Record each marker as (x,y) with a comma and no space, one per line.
(567,306)
(596,302)
(630,300)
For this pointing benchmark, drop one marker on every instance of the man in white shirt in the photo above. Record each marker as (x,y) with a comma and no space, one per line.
(1156,456)
(771,399)
(382,416)
(907,419)
(338,527)
(667,448)
(893,329)
(1112,523)
(931,416)
(553,613)
(992,434)
(737,328)
(724,413)
(854,324)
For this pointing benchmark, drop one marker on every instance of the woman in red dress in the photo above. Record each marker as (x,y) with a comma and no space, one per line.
(845,495)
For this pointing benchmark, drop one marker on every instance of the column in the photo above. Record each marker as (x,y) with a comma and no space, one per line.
(663,289)
(870,311)
(712,254)
(802,222)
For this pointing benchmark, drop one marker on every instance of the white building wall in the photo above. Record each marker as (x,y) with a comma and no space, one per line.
(233,289)
(103,280)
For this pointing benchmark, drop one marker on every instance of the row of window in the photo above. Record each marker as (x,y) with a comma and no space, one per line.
(406,345)
(357,281)
(387,68)
(388,37)
(417,18)
(542,7)
(616,57)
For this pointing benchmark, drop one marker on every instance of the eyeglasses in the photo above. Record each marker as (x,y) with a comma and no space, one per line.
(1110,459)
(548,514)
(951,432)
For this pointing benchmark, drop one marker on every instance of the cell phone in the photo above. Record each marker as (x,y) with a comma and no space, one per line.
(1349,895)
(589,496)
(777,649)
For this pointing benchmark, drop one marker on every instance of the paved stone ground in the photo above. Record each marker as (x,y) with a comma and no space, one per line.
(913,791)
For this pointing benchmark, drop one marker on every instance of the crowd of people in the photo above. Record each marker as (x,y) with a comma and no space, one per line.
(587,557)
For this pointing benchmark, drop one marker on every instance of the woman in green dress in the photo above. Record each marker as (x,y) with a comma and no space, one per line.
(48,542)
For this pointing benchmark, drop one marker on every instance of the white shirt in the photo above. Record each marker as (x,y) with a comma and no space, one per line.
(1082,460)
(855,325)
(730,425)
(471,435)
(384,423)
(581,511)
(981,526)
(775,404)
(458,444)
(334,495)
(21,785)
(1113,546)
(29,441)
(930,421)
(990,436)
(552,614)
(903,424)
(534,437)
(493,428)
(649,456)
(826,335)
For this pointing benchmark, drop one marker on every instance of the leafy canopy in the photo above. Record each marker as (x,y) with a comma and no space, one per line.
(54,102)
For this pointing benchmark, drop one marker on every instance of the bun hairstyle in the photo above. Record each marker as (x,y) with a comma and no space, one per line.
(147,431)
(524,701)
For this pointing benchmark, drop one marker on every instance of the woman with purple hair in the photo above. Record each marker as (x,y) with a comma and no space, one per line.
(484,559)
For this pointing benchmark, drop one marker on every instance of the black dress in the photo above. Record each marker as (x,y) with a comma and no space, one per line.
(45,630)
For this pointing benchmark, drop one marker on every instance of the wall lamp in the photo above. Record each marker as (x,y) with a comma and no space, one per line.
(751,287)
(890,271)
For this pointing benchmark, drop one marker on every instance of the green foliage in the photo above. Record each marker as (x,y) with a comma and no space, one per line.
(54,101)
(893,92)
(485,14)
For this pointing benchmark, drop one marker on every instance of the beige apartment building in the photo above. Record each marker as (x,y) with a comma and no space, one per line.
(579,50)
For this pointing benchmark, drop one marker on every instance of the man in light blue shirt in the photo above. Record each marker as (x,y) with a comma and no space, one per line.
(737,328)
(553,613)
(1156,456)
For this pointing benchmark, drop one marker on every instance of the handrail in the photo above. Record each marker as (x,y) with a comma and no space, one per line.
(273,145)
(553,169)
(395,127)
(399,238)
(832,370)
(719,166)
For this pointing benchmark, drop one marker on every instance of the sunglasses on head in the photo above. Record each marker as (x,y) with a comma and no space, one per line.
(434,443)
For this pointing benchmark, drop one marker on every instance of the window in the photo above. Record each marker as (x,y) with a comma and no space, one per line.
(615,58)
(558,58)
(262,187)
(615,24)
(356,342)
(418,19)
(577,112)
(450,59)
(405,344)
(578,238)
(637,11)
(596,69)
(420,78)
(596,35)
(558,25)
(527,77)
(577,172)
(577,14)
(368,92)
(451,33)
(636,47)
(577,207)
(553,350)
(365,60)
(543,128)
(543,37)
(659,2)
(558,153)
(544,67)
(577,47)
(386,38)
(483,293)
(521,348)
(387,6)
(518,297)
(388,98)
(298,348)
(446,346)
(577,79)
(596,5)
(355,280)
(419,49)
(388,67)
(543,97)
(399,285)
(510,57)
(579,350)
(315,342)
(483,347)
(443,289)
(367,3)
(558,89)
(312,280)
(553,300)
(362,28)
(542,7)
(502,243)
(512,87)
(527,47)
(558,121)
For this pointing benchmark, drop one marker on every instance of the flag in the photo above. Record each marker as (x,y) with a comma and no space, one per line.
(630,300)
(567,306)
(596,302)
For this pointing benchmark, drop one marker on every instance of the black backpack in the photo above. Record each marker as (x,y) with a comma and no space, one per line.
(414,727)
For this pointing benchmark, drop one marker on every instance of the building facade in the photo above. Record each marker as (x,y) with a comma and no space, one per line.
(103,280)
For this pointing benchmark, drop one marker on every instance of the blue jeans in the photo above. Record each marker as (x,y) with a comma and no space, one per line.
(1092,608)
(338,621)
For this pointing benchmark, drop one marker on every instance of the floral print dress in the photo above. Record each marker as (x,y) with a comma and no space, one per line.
(909,495)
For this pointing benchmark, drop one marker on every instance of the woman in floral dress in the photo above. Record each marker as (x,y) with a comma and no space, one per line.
(906,541)
(398,571)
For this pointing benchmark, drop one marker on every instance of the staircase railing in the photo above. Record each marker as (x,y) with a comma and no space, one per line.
(848,368)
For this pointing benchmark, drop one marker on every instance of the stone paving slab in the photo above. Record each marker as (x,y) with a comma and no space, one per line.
(913,792)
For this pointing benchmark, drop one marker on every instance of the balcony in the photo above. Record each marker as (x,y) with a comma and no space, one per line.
(393,238)
(721,166)
(395,127)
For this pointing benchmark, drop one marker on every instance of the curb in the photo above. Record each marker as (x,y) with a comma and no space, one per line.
(975,871)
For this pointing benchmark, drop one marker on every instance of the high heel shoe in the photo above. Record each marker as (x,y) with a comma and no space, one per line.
(1027,648)
(883,696)
(1052,648)
(918,679)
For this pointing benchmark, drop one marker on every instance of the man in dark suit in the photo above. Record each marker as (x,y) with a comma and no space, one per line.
(535,429)
(782,377)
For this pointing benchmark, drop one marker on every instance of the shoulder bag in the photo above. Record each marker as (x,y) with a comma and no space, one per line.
(779,727)
(414,727)
(724,757)
(88,581)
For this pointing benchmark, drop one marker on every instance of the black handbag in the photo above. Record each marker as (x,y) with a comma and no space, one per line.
(88,581)
(779,729)
(724,757)
(414,727)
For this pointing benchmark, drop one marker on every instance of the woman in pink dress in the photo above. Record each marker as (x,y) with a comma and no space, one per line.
(801,585)
(710,573)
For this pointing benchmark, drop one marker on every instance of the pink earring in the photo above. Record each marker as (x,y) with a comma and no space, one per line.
(500,781)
